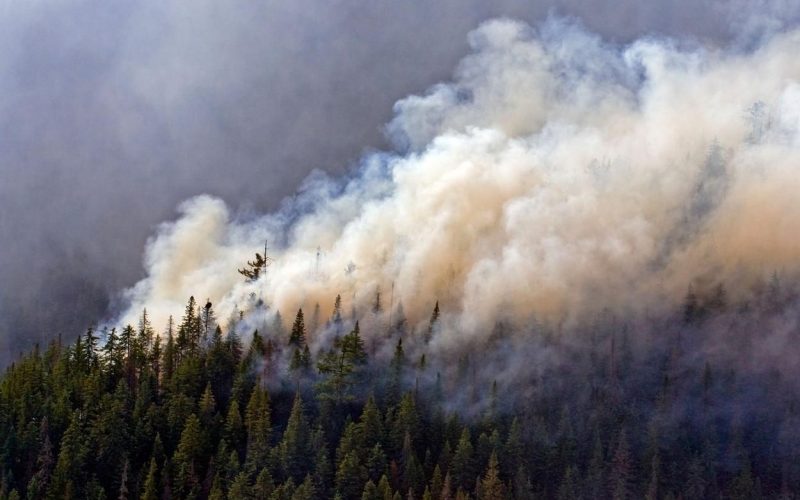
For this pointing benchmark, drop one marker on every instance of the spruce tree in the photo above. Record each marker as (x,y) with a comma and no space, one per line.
(296,454)
(150,489)
(297,338)
(258,423)
(188,458)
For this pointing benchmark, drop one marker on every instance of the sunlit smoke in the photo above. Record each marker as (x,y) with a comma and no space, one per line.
(555,178)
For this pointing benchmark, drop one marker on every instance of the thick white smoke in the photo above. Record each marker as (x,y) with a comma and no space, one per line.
(555,177)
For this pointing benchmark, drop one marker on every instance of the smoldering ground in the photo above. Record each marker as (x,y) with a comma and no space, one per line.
(110,115)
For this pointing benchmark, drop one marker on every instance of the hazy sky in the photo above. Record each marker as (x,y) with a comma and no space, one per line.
(113,113)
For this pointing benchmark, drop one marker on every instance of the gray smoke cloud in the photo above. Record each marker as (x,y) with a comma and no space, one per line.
(110,114)
(555,179)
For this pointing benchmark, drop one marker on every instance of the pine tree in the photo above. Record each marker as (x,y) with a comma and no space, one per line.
(462,465)
(491,487)
(338,367)
(207,405)
(336,316)
(112,354)
(264,484)
(350,477)
(384,489)
(371,424)
(170,353)
(189,331)
(306,490)
(437,482)
(352,346)
(433,322)
(234,345)
(323,470)
(301,360)
(376,462)
(257,421)
(90,344)
(145,332)
(208,321)
(295,451)
(255,268)
(150,490)
(69,473)
(447,488)
(396,372)
(298,336)
(400,322)
(234,429)
(413,475)
(188,457)
(45,461)
(278,331)
(240,487)
(370,492)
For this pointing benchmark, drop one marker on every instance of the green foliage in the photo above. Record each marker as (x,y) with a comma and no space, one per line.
(339,367)
(115,415)
(256,267)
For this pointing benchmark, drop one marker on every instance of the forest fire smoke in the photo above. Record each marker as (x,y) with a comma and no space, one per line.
(556,177)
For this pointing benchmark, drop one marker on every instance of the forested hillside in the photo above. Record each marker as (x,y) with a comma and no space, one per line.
(198,412)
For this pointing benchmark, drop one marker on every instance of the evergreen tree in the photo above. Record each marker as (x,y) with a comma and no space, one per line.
(336,317)
(112,354)
(150,489)
(255,268)
(45,461)
(92,360)
(350,477)
(434,320)
(296,455)
(170,353)
(370,492)
(188,457)
(338,367)
(234,429)
(189,331)
(306,490)
(264,486)
(462,466)
(298,336)
(491,487)
(257,421)
(69,475)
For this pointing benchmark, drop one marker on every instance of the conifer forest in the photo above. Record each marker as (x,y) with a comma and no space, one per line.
(400,250)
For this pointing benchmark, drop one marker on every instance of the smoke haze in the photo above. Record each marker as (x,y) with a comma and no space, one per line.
(551,177)
(557,178)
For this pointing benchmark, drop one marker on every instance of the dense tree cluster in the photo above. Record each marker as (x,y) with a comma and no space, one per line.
(189,414)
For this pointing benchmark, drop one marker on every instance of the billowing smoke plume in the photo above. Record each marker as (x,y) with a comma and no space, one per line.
(557,178)
(110,116)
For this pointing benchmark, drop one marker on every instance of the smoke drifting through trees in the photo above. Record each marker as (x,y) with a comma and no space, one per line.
(590,258)
(557,179)
(113,114)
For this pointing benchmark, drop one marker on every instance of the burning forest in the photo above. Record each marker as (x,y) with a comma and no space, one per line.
(575,275)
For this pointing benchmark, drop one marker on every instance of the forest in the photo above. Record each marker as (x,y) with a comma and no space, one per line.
(628,409)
